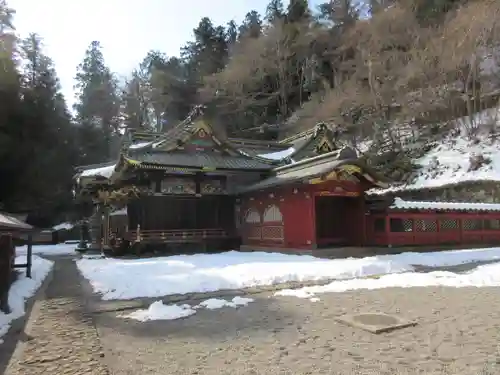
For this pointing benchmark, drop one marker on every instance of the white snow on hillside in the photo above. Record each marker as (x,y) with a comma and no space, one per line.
(449,162)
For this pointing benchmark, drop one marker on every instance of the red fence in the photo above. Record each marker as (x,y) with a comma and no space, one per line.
(433,228)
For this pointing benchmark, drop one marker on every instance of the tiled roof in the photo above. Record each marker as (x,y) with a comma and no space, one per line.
(400,204)
(200,160)
(311,168)
(10,222)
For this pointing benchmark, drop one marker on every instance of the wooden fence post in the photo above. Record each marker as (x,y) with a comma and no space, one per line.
(5,271)
(29,256)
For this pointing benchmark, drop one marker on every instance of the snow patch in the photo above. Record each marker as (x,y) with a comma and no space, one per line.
(449,162)
(482,276)
(62,226)
(59,249)
(217,303)
(139,145)
(278,155)
(105,172)
(181,274)
(159,311)
(22,289)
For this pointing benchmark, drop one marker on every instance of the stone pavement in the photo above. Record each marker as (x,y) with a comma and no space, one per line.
(60,335)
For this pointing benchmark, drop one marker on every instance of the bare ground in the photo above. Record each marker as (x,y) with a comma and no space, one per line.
(458,333)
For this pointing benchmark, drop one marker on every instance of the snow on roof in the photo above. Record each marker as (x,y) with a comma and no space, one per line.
(278,155)
(449,162)
(62,226)
(414,205)
(139,145)
(122,211)
(12,222)
(103,172)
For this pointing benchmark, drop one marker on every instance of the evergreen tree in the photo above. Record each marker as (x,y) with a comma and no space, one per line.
(97,108)
(251,26)
(275,11)
(48,150)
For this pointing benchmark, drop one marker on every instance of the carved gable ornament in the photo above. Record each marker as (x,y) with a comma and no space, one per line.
(324,146)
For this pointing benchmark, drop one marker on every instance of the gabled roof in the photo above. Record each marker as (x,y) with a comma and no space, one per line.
(193,143)
(317,141)
(318,167)
(201,161)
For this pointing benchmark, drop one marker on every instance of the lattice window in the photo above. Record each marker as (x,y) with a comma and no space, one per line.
(491,224)
(272,214)
(252,216)
(425,225)
(472,224)
(401,225)
(448,224)
(273,233)
(254,233)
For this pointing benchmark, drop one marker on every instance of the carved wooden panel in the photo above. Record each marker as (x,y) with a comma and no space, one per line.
(212,187)
(174,185)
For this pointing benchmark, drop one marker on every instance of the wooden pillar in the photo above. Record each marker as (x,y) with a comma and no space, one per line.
(311,199)
(105,234)
(5,271)
(29,256)
(362,216)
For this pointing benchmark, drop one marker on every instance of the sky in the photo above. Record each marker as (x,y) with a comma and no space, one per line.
(126,30)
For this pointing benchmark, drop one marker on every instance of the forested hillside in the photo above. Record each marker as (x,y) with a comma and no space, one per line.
(392,71)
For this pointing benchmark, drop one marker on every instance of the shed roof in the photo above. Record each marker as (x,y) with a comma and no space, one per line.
(8,221)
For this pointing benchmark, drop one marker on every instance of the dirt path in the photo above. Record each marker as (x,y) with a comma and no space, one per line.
(60,336)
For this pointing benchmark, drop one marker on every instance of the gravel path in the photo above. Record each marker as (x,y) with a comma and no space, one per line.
(60,335)
(458,333)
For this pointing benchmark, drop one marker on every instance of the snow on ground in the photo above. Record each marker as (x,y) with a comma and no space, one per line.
(445,258)
(218,303)
(127,279)
(449,162)
(59,249)
(159,311)
(482,276)
(22,289)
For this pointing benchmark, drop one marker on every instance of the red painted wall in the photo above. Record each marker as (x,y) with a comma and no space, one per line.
(298,213)
(297,223)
